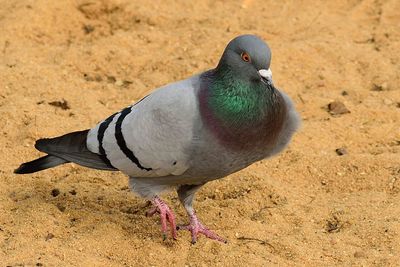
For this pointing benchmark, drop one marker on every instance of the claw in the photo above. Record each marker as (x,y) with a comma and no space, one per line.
(166,215)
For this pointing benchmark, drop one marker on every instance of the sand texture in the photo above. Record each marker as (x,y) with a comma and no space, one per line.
(65,65)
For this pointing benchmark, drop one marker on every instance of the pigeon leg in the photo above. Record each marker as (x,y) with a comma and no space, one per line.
(186,195)
(166,215)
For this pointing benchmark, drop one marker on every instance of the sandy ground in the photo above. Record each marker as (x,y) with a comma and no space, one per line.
(308,206)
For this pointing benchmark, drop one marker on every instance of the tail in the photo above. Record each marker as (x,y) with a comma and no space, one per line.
(39,164)
(67,148)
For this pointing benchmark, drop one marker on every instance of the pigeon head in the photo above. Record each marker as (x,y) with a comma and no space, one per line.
(248,58)
(238,100)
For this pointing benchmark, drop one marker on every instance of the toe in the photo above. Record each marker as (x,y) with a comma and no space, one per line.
(166,217)
(196,228)
(163,218)
(151,212)
(210,234)
(194,237)
(172,224)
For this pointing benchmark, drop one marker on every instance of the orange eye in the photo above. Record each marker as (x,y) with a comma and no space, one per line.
(245,57)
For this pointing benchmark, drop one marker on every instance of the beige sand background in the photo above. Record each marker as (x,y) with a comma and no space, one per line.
(308,206)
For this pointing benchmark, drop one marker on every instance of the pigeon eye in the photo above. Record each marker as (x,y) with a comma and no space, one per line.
(245,57)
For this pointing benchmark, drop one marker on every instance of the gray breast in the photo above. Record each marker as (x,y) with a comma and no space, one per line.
(212,160)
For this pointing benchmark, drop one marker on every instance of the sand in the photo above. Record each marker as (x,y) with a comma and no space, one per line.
(65,65)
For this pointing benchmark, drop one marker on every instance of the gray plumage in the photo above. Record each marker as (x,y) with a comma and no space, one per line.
(174,137)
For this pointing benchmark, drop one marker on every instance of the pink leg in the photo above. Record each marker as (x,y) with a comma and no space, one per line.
(196,228)
(166,215)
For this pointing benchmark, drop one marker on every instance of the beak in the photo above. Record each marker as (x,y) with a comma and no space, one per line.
(266,75)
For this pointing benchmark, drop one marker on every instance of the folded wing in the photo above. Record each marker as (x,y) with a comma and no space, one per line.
(153,137)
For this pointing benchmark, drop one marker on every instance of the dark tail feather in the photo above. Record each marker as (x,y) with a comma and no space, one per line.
(72,147)
(67,148)
(40,164)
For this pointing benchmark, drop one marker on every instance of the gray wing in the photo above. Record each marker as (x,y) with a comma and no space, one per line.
(153,137)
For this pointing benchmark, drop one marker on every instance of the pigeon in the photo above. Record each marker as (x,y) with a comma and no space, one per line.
(187,133)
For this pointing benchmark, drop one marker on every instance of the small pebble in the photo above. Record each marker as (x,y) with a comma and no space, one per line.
(88,28)
(379,87)
(49,236)
(61,207)
(72,192)
(63,104)
(341,151)
(55,192)
(332,226)
(337,108)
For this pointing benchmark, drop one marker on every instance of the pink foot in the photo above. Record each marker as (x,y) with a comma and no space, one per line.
(166,215)
(196,228)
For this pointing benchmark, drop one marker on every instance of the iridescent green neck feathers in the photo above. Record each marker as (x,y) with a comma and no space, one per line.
(240,113)
(234,101)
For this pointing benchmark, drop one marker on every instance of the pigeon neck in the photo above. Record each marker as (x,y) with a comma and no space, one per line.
(240,113)
(233,98)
